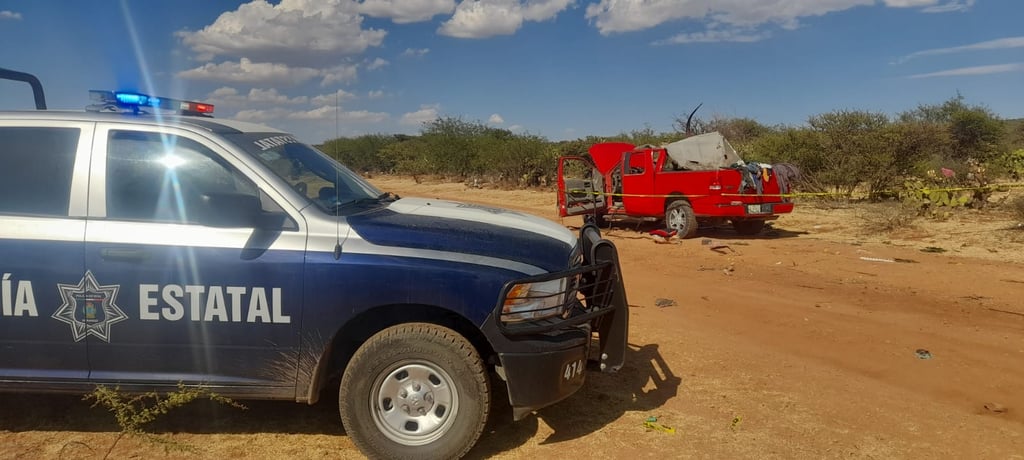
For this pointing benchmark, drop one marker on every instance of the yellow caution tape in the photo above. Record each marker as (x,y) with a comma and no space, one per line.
(926,190)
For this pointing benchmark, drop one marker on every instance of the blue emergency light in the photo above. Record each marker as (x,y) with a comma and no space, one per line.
(135,102)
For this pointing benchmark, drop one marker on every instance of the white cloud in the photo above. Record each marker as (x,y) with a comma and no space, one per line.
(332,98)
(415,52)
(298,32)
(950,7)
(231,96)
(224,92)
(246,71)
(261,116)
(425,114)
(271,96)
(715,35)
(376,64)
(495,119)
(12,15)
(488,18)
(612,16)
(375,94)
(332,113)
(340,74)
(973,71)
(406,11)
(998,44)
(932,6)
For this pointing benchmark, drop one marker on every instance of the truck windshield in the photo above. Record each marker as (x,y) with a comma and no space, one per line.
(326,183)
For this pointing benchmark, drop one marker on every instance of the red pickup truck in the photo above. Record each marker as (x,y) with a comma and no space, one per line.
(698,180)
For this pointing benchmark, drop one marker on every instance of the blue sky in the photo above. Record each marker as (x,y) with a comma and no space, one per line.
(558,68)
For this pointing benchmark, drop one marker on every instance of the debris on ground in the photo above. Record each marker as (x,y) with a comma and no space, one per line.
(652,423)
(876,259)
(662,236)
(736,423)
(663,233)
(662,303)
(715,245)
(934,249)
(1007,312)
(893,260)
(995,408)
(923,354)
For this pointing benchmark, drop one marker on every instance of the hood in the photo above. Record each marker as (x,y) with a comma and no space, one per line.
(467,228)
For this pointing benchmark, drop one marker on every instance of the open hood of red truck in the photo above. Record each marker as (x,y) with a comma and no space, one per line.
(606,155)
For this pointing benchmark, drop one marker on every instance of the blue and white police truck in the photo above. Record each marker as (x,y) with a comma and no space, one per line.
(144,244)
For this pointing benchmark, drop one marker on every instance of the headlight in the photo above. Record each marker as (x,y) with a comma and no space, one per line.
(533,301)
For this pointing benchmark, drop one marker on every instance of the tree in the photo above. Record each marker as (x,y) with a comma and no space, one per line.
(975,133)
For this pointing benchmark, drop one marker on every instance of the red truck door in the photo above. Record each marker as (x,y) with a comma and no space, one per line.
(638,184)
(581,188)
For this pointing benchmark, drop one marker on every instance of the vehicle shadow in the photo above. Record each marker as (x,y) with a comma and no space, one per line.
(772,231)
(46,412)
(646,382)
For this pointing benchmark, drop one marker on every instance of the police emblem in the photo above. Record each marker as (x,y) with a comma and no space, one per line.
(89,308)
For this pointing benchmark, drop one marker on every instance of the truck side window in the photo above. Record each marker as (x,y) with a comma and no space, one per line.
(36,165)
(635,162)
(158,177)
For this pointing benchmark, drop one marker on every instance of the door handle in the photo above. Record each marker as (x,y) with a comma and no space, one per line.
(124,255)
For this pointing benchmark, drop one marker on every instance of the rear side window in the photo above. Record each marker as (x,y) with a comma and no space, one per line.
(36,165)
(157,177)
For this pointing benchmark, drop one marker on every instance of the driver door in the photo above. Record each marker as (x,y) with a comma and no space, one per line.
(180,293)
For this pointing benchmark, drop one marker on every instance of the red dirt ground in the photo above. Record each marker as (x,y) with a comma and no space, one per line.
(786,345)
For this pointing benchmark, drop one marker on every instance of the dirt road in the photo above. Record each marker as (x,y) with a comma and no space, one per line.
(815,340)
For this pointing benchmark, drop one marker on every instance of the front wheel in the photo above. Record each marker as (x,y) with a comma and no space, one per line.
(415,390)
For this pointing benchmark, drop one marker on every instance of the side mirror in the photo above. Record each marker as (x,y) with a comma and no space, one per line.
(239,210)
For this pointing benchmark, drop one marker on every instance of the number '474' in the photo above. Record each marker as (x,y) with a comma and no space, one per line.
(573,369)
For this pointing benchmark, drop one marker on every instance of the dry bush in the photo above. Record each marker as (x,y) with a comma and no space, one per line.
(1017,207)
(887,217)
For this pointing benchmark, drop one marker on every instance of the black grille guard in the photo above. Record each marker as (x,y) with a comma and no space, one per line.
(594,293)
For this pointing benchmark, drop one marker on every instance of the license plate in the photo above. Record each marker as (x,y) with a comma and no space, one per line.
(759,209)
(573,370)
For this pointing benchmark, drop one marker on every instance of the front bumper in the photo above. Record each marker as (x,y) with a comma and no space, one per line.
(543,361)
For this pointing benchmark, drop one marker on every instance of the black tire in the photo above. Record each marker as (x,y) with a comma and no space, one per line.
(679,217)
(409,378)
(748,227)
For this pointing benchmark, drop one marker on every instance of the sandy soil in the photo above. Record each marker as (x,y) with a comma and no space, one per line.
(804,342)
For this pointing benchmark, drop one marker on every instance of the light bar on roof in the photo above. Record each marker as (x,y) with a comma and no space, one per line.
(135,101)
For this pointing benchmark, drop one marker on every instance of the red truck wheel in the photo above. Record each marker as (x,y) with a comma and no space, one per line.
(679,217)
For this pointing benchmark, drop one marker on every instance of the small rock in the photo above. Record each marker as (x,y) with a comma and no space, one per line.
(995,408)
(923,354)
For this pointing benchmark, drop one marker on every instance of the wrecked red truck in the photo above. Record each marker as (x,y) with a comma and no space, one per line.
(700,180)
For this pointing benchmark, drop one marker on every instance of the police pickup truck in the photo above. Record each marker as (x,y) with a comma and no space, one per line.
(144,244)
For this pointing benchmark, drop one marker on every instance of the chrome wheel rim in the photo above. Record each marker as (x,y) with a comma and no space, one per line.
(414,403)
(675,219)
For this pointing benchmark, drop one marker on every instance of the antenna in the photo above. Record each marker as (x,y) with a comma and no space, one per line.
(337,193)
(690,118)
